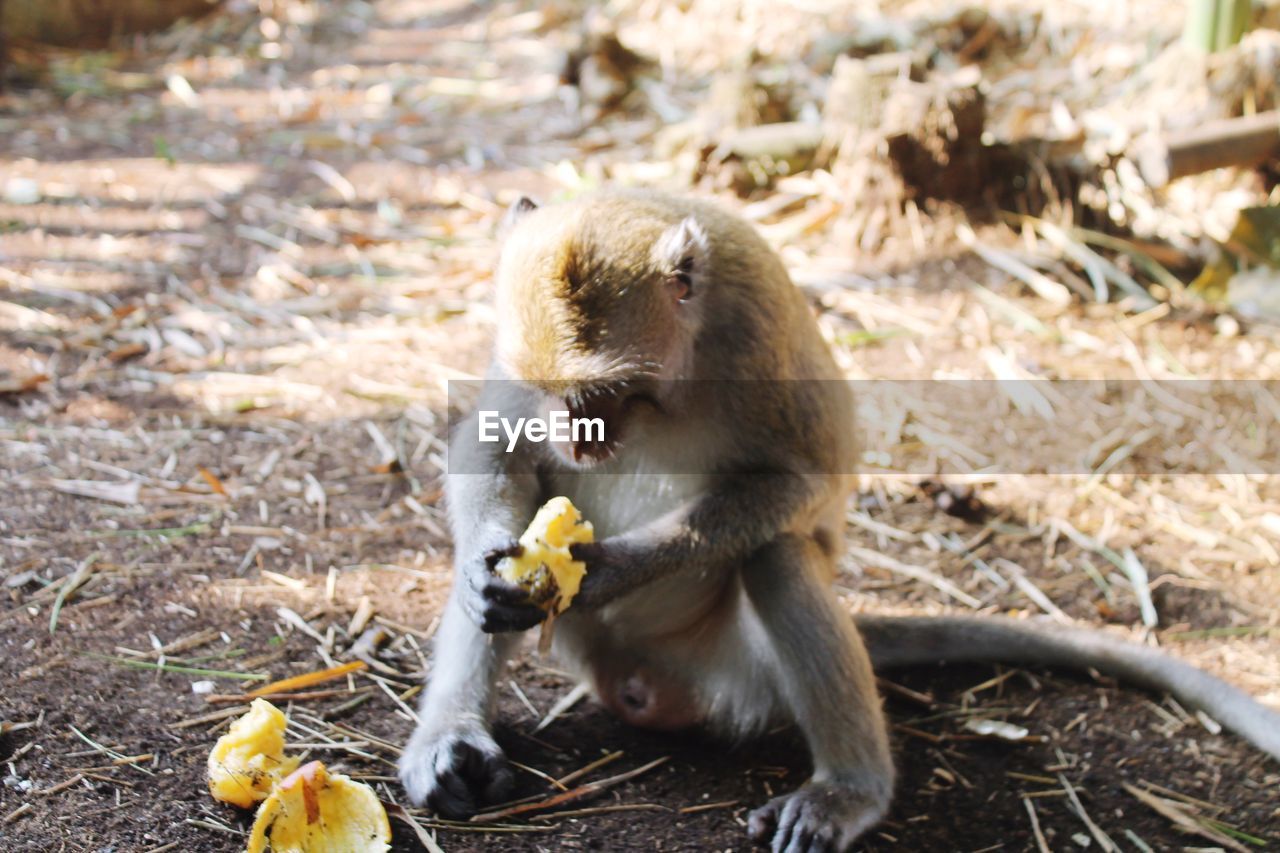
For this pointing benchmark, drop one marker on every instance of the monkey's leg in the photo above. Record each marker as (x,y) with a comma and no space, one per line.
(824,677)
(452,762)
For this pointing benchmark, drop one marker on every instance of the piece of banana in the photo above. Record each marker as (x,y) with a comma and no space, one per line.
(315,811)
(545,567)
(249,759)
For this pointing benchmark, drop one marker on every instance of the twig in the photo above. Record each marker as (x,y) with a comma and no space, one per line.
(111,752)
(1031,591)
(398,812)
(60,787)
(570,796)
(183,670)
(214,717)
(573,697)
(305,696)
(1041,844)
(386,688)
(706,807)
(533,771)
(17,813)
(595,765)
(621,807)
(1104,841)
(1173,812)
(1044,287)
(524,700)
(883,561)
(216,827)
(1137,575)
(77,579)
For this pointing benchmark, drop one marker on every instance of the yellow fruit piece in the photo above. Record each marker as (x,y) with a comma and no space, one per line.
(249,759)
(315,811)
(545,569)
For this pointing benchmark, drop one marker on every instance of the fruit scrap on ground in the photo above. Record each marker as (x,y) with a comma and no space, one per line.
(315,811)
(247,761)
(304,810)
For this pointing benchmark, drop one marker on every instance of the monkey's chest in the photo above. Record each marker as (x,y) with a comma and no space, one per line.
(618,496)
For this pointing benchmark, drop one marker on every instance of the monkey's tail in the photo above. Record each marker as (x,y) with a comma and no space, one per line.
(894,641)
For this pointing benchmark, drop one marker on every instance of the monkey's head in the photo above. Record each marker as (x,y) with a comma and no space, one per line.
(599,303)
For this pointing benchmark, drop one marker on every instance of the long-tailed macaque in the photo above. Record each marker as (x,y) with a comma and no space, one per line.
(718,496)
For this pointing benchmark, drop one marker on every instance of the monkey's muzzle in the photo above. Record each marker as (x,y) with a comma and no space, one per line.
(599,416)
(613,407)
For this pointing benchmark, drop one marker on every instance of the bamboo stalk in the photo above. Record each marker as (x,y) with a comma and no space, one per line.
(1214,25)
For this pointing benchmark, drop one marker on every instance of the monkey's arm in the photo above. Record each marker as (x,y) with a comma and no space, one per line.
(733,519)
(491,497)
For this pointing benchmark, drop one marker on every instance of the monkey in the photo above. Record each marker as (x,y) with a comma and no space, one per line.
(718,497)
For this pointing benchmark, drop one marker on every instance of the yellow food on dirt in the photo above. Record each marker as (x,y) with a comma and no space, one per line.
(545,568)
(249,759)
(315,811)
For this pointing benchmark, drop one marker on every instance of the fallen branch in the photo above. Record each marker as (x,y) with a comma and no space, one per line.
(1244,142)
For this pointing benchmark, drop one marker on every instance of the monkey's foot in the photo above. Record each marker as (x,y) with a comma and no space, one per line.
(821,817)
(455,771)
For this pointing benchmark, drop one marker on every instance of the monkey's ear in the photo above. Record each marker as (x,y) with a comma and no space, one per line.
(682,252)
(516,212)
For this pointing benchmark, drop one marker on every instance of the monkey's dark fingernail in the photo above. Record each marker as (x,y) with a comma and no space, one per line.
(499,619)
(491,558)
(452,782)
(820,844)
(505,593)
(501,779)
(452,797)
(801,839)
(449,806)
(760,826)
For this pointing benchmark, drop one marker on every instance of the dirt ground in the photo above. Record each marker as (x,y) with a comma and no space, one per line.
(259,254)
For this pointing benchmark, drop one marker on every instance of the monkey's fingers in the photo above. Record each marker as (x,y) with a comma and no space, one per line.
(490,774)
(493,555)
(505,621)
(500,591)
(469,779)
(451,798)
(761,824)
(499,616)
(591,553)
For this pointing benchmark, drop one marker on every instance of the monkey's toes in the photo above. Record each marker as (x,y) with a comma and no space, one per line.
(818,818)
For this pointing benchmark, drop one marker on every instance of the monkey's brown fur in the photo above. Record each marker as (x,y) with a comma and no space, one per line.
(718,500)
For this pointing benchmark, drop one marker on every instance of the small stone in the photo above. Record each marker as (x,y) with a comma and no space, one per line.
(21,191)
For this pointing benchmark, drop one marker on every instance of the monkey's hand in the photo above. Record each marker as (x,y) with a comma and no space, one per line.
(455,769)
(612,567)
(497,605)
